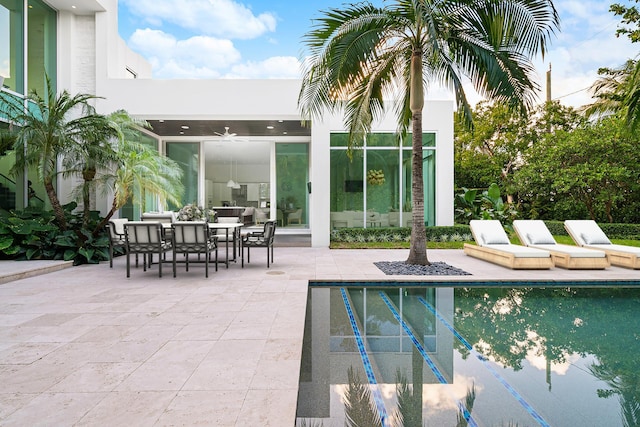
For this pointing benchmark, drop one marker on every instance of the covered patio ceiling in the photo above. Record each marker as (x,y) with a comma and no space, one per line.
(242,128)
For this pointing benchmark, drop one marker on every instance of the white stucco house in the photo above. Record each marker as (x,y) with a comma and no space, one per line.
(239,142)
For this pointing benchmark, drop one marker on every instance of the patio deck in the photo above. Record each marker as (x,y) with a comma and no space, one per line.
(86,346)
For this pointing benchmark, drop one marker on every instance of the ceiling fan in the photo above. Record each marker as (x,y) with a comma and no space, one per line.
(229,136)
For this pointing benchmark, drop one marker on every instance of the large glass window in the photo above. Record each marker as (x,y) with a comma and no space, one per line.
(12,44)
(41,45)
(382,186)
(187,155)
(347,189)
(373,188)
(292,177)
(8,188)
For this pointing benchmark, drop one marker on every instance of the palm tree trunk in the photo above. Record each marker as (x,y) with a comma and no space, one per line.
(105,220)
(418,248)
(55,204)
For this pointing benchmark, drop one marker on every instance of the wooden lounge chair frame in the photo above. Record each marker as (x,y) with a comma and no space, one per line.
(619,255)
(564,256)
(506,254)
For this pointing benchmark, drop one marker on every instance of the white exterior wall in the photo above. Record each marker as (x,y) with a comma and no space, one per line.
(92,58)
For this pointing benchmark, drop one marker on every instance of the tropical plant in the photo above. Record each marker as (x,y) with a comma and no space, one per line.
(49,128)
(34,234)
(488,204)
(618,89)
(139,171)
(363,55)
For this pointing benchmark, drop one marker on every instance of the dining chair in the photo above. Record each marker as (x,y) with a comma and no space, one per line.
(146,238)
(193,237)
(295,216)
(259,239)
(117,240)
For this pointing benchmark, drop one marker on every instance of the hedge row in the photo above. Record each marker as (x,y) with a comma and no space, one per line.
(445,233)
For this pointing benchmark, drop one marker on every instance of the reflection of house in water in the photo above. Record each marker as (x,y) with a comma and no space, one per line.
(330,346)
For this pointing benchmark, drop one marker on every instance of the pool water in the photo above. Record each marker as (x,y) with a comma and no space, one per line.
(476,356)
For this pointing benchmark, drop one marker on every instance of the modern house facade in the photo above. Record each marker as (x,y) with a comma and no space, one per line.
(239,142)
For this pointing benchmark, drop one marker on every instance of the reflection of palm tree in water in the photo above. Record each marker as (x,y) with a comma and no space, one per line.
(360,410)
(626,386)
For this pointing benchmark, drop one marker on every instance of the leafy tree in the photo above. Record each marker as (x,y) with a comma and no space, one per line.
(493,150)
(499,136)
(362,55)
(630,23)
(595,165)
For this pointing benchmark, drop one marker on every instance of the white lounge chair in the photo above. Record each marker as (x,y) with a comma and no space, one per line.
(588,233)
(493,246)
(535,234)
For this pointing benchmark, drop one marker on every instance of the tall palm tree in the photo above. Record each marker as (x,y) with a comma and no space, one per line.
(47,129)
(362,55)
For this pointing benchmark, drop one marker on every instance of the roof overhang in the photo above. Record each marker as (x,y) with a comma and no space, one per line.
(77,7)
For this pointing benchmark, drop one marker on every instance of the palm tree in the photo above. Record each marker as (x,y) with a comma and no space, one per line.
(88,158)
(610,89)
(139,170)
(49,128)
(362,55)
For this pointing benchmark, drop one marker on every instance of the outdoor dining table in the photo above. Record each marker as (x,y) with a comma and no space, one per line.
(234,226)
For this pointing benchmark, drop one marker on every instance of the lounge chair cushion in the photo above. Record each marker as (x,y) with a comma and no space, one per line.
(491,232)
(595,237)
(490,238)
(537,232)
(520,251)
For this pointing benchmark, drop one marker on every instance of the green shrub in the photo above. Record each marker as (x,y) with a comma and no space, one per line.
(33,234)
(400,234)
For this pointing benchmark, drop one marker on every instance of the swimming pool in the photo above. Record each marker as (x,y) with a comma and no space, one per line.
(476,356)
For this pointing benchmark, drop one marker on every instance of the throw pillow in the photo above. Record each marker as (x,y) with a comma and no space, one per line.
(541,238)
(596,237)
(494,237)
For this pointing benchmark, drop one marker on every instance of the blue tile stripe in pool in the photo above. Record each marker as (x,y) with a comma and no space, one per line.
(484,361)
(467,415)
(382,411)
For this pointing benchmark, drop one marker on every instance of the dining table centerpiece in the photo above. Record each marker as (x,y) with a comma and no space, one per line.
(191,212)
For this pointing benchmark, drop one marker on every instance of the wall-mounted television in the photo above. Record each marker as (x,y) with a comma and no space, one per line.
(353,186)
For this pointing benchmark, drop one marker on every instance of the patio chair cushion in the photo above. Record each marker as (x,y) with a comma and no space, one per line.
(492,235)
(595,237)
(537,232)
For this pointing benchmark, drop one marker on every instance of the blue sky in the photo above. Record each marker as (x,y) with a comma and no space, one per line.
(263,39)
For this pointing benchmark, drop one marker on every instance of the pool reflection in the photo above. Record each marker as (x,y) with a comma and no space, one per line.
(397,356)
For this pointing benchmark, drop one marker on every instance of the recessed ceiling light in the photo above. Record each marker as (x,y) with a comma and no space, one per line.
(184,127)
(284,133)
(161,121)
(73,7)
(280,121)
(269,127)
(181,132)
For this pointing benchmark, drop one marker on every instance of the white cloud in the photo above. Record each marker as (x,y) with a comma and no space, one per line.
(195,57)
(277,67)
(224,18)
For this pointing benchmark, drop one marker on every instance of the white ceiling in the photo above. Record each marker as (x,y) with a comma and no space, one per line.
(77,7)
